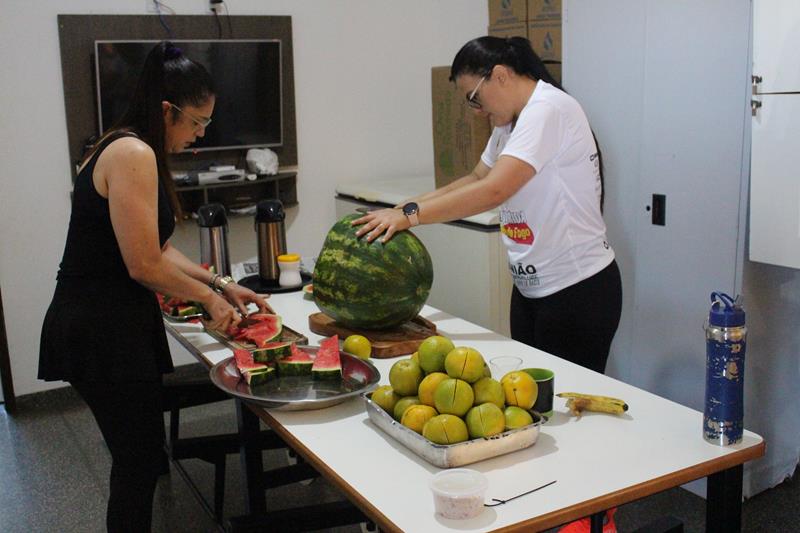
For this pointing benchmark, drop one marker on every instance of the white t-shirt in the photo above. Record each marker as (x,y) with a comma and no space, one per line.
(552,226)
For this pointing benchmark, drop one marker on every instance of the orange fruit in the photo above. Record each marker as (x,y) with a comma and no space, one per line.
(464,363)
(432,352)
(489,390)
(520,389)
(453,397)
(403,404)
(517,417)
(445,429)
(415,417)
(485,420)
(428,387)
(385,397)
(405,377)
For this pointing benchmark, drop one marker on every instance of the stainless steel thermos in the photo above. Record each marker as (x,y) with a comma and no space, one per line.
(726,334)
(213,224)
(271,235)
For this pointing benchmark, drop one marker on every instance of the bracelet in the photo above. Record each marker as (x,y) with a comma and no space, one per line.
(213,281)
(224,281)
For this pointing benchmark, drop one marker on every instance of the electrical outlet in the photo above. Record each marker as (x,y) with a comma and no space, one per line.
(150,7)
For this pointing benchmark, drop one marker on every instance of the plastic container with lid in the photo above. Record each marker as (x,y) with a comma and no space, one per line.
(289,265)
(459,493)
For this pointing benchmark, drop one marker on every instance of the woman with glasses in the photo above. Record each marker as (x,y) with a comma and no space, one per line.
(542,168)
(103,331)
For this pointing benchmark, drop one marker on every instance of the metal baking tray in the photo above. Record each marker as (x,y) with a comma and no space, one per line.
(299,393)
(452,455)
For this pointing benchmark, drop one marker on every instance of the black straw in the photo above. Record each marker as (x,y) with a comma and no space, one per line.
(501,502)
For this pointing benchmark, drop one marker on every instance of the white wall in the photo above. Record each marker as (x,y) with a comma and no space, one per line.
(362,81)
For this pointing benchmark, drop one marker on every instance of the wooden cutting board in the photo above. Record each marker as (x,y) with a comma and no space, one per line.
(401,340)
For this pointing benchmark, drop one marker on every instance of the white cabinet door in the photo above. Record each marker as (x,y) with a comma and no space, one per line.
(776,45)
(775,181)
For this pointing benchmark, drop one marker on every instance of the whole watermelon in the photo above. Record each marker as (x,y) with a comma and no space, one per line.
(371,285)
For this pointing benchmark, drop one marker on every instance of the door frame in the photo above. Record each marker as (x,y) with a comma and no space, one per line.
(5,365)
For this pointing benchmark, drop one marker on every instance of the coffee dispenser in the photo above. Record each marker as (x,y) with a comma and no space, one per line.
(213,225)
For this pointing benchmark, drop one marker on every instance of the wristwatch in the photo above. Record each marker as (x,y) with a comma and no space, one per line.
(410,210)
(223,282)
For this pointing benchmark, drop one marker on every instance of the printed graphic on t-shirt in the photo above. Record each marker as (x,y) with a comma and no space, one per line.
(514,225)
(524,275)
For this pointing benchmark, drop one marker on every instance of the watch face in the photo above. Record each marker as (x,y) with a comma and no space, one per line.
(410,208)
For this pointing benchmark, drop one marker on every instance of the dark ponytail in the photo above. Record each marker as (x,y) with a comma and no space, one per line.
(167,75)
(479,56)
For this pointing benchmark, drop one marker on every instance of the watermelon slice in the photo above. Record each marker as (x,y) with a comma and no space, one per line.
(259,377)
(272,351)
(328,364)
(187,310)
(297,364)
(267,329)
(245,363)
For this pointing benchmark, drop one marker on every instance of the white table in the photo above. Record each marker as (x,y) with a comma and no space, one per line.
(599,461)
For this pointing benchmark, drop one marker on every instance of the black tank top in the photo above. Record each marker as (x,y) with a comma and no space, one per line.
(92,250)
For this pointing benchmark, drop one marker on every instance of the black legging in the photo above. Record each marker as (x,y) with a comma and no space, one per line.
(131,419)
(576,323)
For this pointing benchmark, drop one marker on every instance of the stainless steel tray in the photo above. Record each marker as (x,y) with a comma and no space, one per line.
(463,453)
(299,393)
(186,318)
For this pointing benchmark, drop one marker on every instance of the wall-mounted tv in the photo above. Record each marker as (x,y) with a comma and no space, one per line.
(247,79)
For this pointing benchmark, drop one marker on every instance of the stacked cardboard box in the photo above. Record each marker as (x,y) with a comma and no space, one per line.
(537,20)
(459,134)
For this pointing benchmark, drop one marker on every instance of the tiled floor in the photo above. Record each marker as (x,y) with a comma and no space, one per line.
(54,478)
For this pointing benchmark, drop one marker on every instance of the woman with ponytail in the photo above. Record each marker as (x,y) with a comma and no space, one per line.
(542,168)
(103,331)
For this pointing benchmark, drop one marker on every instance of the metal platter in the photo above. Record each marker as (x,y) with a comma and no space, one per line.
(299,393)
(452,455)
(179,319)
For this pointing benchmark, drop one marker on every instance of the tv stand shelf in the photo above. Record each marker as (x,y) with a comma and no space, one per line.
(281,186)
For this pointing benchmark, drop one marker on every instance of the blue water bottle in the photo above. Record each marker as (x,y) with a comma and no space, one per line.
(726,337)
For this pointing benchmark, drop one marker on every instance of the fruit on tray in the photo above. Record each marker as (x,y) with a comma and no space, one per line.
(403,404)
(453,397)
(371,285)
(254,373)
(451,409)
(176,307)
(261,329)
(405,377)
(416,416)
(464,363)
(520,389)
(327,364)
(299,363)
(485,420)
(432,352)
(577,403)
(272,351)
(445,429)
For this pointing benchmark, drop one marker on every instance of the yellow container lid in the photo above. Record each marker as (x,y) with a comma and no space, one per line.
(288,258)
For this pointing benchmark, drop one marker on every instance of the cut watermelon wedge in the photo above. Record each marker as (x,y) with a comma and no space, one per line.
(298,364)
(328,364)
(245,363)
(272,351)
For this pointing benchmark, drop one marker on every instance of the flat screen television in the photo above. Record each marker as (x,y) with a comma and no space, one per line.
(247,79)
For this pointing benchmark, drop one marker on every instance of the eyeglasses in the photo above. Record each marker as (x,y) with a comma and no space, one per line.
(472,98)
(199,122)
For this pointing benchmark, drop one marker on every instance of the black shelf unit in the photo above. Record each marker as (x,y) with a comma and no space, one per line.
(281,186)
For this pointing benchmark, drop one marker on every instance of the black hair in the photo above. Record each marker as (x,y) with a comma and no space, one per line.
(479,56)
(167,75)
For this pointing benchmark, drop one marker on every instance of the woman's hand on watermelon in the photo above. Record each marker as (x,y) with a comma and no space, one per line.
(240,296)
(223,314)
(384,222)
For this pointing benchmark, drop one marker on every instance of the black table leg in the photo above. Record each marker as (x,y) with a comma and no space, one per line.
(724,501)
(597,522)
(250,456)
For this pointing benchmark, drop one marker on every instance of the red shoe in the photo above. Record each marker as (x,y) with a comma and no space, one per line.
(584,525)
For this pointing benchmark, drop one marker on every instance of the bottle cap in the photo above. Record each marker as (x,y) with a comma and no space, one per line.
(725,312)
(270,211)
(211,216)
(288,258)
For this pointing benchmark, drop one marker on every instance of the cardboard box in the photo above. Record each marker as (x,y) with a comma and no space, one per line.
(544,11)
(514,30)
(555,70)
(545,37)
(508,12)
(459,134)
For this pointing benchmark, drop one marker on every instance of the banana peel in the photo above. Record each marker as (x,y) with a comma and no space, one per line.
(577,403)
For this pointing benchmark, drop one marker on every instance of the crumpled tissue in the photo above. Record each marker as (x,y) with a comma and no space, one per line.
(262,161)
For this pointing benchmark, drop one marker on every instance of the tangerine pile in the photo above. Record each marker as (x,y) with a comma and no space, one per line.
(447,394)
